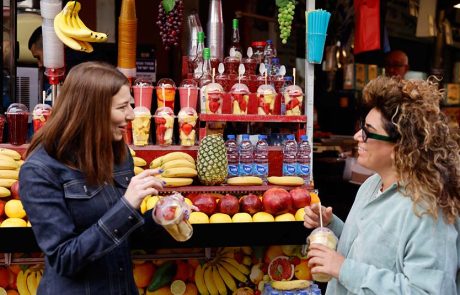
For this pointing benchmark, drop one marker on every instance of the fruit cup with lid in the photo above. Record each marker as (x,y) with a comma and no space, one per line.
(187,118)
(164,121)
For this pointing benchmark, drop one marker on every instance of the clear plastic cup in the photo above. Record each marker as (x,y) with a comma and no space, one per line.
(231,64)
(214,98)
(172,213)
(143,91)
(164,121)
(17,116)
(166,93)
(187,121)
(323,236)
(240,99)
(224,81)
(293,99)
(250,65)
(141,126)
(188,93)
(277,82)
(266,96)
(40,115)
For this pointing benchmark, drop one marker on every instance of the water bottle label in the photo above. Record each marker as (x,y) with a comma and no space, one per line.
(232,170)
(245,169)
(304,169)
(261,169)
(289,169)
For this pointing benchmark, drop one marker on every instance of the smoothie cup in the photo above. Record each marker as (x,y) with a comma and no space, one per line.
(187,121)
(17,116)
(40,115)
(323,236)
(172,213)
(188,93)
(164,121)
(141,126)
(293,99)
(142,92)
(166,93)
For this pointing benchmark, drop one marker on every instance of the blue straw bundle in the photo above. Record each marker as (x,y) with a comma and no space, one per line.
(317,22)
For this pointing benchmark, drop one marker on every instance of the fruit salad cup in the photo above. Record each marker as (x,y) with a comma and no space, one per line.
(40,115)
(323,236)
(187,121)
(166,93)
(164,121)
(293,98)
(214,98)
(240,99)
(141,126)
(172,212)
(266,95)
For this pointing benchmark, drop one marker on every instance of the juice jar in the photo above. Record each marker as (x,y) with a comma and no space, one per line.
(231,64)
(17,116)
(164,121)
(187,118)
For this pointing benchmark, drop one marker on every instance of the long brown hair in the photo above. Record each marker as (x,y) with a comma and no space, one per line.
(79,132)
(427,153)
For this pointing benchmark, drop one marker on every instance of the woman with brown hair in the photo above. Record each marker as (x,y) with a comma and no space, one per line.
(401,235)
(78,186)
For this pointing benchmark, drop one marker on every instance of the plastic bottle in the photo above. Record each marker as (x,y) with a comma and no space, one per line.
(269,53)
(261,158)
(290,156)
(232,155)
(303,158)
(246,156)
(275,67)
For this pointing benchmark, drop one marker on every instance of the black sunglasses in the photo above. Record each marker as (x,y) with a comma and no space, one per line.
(365,134)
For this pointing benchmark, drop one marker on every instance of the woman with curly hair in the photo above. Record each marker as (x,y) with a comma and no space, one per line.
(401,235)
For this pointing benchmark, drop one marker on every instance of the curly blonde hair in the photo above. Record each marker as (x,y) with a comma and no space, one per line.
(426,152)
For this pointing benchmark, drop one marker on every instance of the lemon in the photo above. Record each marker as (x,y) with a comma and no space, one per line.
(178,287)
(14,209)
(151,202)
(220,218)
(198,217)
(263,217)
(314,198)
(13,222)
(188,201)
(300,214)
(285,217)
(3,291)
(242,217)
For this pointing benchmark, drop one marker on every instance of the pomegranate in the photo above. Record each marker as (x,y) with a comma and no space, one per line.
(207,203)
(15,190)
(250,204)
(277,201)
(300,197)
(228,204)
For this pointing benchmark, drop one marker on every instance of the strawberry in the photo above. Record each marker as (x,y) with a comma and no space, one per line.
(160,132)
(243,105)
(266,107)
(186,128)
(169,213)
(214,106)
(160,120)
(292,104)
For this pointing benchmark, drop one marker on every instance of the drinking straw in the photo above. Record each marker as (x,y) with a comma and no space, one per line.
(320,216)
(293,75)
(164,95)
(188,96)
(43,96)
(213,74)
(140,90)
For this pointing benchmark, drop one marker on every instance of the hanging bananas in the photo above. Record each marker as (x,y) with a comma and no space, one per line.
(71,30)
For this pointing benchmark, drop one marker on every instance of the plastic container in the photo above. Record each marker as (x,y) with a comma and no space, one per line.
(224,81)
(143,91)
(269,53)
(17,116)
(40,115)
(275,68)
(258,50)
(303,159)
(293,99)
(141,126)
(187,126)
(240,99)
(266,96)
(232,156)
(166,93)
(246,151)
(188,93)
(290,156)
(231,64)
(172,213)
(250,65)
(323,236)
(261,158)
(214,98)
(2,126)
(164,121)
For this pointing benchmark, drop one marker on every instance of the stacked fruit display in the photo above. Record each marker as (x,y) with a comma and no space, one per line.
(178,168)
(20,280)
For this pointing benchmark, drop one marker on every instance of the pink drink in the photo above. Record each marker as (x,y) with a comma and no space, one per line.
(188,96)
(146,99)
(250,65)
(18,117)
(231,64)
(224,81)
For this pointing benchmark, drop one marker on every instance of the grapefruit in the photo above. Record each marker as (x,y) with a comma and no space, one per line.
(280,269)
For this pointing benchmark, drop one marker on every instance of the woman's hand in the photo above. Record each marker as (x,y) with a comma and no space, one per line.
(142,185)
(311,217)
(321,259)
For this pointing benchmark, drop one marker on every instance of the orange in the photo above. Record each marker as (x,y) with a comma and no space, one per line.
(191,289)
(12,292)
(272,252)
(143,274)
(302,271)
(314,198)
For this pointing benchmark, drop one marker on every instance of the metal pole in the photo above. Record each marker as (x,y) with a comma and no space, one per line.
(13,49)
(309,91)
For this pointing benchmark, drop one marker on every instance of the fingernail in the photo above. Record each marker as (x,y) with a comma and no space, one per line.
(164,182)
(161,170)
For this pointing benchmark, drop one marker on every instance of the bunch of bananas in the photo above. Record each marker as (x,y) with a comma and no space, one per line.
(28,280)
(221,274)
(10,161)
(178,168)
(71,30)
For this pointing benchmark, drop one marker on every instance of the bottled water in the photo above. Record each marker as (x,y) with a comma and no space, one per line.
(246,156)
(261,158)
(303,158)
(269,53)
(232,155)
(275,68)
(290,156)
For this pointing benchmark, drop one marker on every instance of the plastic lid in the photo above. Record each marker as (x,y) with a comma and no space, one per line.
(142,82)
(16,108)
(304,137)
(201,37)
(41,109)
(235,23)
(164,111)
(294,90)
(187,114)
(207,53)
(262,137)
(290,137)
(240,88)
(141,111)
(245,136)
(258,44)
(188,83)
(230,136)
(166,83)
(266,89)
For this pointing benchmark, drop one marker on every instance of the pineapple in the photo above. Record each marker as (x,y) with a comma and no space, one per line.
(212,160)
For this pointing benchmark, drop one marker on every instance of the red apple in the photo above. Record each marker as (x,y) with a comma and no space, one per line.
(15,190)
(207,203)
(277,201)
(228,204)
(300,197)
(250,204)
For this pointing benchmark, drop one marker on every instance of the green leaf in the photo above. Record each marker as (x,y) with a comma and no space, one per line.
(168,5)
(281,3)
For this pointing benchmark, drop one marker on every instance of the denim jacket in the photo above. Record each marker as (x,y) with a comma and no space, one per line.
(83,230)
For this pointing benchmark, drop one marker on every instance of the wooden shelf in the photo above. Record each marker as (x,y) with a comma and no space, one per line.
(252,118)
(225,189)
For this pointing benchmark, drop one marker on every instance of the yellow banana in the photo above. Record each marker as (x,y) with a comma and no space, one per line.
(178,163)
(241,267)
(70,42)
(199,280)
(286,180)
(228,279)
(233,271)
(94,36)
(39,274)
(143,206)
(7,163)
(170,157)
(245,180)
(32,282)
(66,24)
(20,162)
(179,172)
(139,162)
(21,283)
(290,285)
(246,250)
(132,152)
(4,192)
(137,170)
(10,153)
(86,46)
(175,182)
(7,182)
(220,285)
(11,174)
(209,280)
